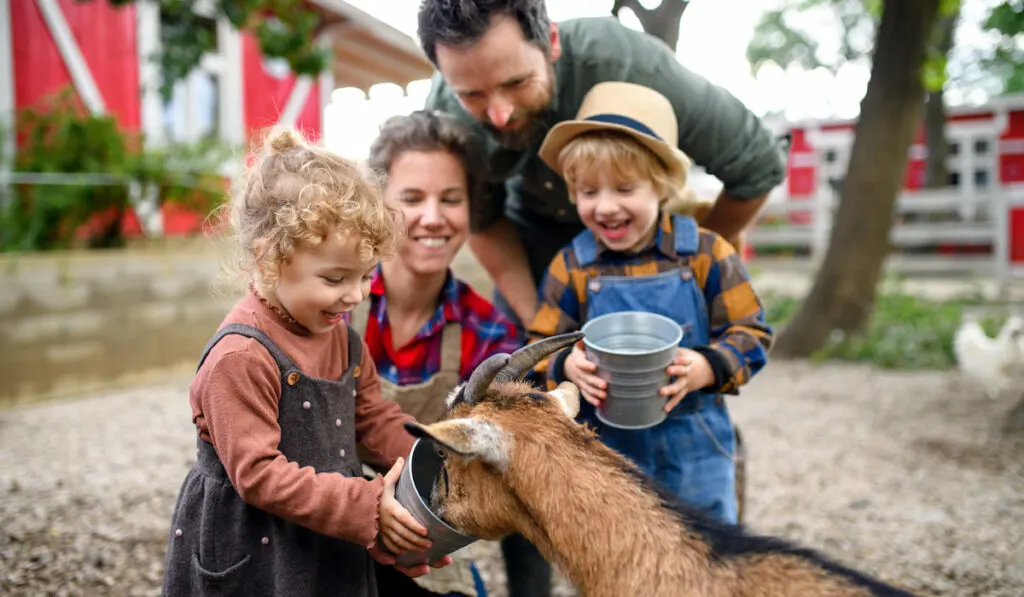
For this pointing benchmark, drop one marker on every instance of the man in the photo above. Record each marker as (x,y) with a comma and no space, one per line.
(511,74)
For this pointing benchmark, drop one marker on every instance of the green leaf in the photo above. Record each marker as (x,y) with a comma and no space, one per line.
(58,138)
(934,72)
(186,37)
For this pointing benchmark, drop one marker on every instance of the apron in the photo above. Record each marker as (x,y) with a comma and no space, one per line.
(220,545)
(425,401)
(691,452)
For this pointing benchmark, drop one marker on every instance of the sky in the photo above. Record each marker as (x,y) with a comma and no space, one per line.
(713,39)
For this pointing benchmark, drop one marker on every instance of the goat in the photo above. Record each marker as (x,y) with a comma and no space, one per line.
(515,460)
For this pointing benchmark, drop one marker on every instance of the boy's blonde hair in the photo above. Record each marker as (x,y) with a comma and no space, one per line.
(295,192)
(623,157)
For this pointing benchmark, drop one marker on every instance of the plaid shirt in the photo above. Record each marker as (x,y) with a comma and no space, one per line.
(485,331)
(740,337)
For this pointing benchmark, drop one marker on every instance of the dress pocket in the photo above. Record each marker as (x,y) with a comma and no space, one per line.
(229,581)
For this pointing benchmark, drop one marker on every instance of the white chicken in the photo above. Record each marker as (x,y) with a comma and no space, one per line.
(997,364)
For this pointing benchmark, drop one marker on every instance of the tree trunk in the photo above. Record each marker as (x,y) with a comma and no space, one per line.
(661,22)
(936,175)
(843,293)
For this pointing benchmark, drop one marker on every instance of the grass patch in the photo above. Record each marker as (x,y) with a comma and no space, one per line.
(904,332)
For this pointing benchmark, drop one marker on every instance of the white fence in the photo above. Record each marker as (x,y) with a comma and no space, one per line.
(923,219)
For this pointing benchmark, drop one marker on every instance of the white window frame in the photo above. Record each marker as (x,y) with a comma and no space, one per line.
(225,65)
(7,100)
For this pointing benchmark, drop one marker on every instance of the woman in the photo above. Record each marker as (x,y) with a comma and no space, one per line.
(426,330)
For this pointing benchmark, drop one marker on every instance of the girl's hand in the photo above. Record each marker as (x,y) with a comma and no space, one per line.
(385,557)
(692,372)
(583,373)
(399,531)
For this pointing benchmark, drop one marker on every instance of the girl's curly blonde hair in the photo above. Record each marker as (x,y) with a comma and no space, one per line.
(295,192)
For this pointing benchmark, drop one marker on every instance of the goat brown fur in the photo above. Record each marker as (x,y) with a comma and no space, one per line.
(516,461)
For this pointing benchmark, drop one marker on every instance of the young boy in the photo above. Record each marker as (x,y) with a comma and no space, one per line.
(621,165)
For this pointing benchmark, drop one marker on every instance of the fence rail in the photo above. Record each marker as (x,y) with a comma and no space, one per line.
(977,227)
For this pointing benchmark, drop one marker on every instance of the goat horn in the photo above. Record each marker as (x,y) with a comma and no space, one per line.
(528,356)
(482,377)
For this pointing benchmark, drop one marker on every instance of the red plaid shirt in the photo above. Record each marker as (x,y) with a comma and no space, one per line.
(485,331)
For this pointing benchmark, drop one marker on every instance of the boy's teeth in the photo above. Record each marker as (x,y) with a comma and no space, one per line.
(432,242)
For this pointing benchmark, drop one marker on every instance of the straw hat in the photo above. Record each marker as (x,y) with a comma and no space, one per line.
(635,110)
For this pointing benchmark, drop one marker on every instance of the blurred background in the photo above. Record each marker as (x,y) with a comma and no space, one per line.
(889,431)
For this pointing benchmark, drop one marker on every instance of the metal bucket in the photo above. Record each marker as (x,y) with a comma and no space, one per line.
(413,492)
(632,351)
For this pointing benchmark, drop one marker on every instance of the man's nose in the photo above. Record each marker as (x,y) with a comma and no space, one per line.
(499,112)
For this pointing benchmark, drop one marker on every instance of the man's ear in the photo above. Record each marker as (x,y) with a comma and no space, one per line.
(555,42)
(470,438)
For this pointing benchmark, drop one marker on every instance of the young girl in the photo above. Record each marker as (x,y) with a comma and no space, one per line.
(276,504)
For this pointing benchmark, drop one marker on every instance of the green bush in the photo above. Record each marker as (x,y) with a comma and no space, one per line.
(56,138)
(904,332)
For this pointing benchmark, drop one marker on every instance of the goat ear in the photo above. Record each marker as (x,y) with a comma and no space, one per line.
(567,395)
(470,437)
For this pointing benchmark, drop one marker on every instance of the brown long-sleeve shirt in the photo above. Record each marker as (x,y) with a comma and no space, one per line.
(234,399)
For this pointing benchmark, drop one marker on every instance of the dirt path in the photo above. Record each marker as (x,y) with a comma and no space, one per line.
(903,475)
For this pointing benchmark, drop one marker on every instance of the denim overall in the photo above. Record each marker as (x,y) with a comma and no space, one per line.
(690,453)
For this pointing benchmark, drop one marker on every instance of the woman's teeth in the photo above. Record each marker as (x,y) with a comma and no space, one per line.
(432,242)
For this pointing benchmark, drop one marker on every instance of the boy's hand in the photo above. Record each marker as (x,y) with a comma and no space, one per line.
(399,531)
(692,372)
(583,373)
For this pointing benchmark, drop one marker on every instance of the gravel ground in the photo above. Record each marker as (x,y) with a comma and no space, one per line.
(904,475)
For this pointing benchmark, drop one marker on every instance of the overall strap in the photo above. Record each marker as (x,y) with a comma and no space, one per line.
(451,347)
(355,351)
(686,235)
(361,316)
(584,247)
(283,362)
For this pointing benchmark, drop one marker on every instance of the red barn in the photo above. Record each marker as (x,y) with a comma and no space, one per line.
(103,52)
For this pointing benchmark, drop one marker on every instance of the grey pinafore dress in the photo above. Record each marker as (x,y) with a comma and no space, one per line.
(220,545)
(426,402)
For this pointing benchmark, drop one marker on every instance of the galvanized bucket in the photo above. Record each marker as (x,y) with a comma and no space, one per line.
(632,351)
(413,492)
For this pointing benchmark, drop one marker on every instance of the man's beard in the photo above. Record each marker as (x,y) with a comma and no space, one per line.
(533,127)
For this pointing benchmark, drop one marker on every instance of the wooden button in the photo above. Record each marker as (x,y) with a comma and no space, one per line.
(356,371)
(293,378)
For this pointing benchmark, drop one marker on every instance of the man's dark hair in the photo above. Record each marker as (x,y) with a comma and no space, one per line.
(425,130)
(462,22)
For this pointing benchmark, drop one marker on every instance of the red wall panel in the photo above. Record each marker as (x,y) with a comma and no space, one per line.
(265,96)
(106,39)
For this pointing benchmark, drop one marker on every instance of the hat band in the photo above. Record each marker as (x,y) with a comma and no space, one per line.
(625,121)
